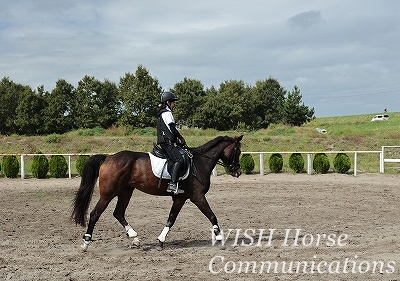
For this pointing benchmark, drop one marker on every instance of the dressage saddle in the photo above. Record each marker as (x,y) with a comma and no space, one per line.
(186,155)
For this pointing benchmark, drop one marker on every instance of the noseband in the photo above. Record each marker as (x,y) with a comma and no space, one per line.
(234,166)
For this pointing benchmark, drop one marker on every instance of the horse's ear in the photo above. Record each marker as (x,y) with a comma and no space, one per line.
(239,138)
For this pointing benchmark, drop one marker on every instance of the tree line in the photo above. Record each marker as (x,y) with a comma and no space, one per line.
(134,102)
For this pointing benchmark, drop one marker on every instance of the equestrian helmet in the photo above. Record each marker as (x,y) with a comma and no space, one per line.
(166,96)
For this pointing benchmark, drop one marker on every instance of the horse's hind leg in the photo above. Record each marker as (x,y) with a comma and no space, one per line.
(119,213)
(94,217)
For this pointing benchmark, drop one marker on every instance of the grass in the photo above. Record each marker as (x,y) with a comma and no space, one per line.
(343,133)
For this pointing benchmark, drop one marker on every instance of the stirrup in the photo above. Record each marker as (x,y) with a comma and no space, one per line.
(173,187)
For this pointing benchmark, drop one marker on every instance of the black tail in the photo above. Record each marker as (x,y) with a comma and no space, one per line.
(83,196)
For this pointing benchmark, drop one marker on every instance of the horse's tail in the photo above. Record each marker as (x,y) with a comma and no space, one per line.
(83,196)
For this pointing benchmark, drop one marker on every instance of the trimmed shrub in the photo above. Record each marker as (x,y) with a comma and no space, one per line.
(58,166)
(80,163)
(342,163)
(321,163)
(275,162)
(247,163)
(40,166)
(10,166)
(296,162)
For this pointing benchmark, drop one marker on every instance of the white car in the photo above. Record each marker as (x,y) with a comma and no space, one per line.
(380,117)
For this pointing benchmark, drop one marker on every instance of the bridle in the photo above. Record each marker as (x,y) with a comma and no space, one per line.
(232,167)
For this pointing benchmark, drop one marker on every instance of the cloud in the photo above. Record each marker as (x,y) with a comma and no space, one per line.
(305,19)
(327,48)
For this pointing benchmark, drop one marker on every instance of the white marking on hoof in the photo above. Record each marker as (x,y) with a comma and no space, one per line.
(84,247)
(218,237)
(136,242)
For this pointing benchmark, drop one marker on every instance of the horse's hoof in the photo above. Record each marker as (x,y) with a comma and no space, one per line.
(136,242)
(160,246)
(84,247)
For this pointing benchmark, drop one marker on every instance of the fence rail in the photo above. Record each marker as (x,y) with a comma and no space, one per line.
(310,157)
(382,159)
(69,161)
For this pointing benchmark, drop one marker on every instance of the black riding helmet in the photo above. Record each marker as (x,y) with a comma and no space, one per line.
(166,96)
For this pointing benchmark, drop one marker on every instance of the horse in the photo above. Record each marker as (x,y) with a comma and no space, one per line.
(123,172)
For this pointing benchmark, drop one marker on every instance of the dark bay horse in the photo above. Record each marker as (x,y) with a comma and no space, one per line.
(121,173)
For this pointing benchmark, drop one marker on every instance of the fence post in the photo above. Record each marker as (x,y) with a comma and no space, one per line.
(355,163)
(262,164)
(22,166)
(309,163)
(382,161)
(69,166)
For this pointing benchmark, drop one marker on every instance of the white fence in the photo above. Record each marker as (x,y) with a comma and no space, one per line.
(310,157)
(22,161)
(382,158)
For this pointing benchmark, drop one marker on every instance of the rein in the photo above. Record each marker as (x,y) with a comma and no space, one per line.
(231,167)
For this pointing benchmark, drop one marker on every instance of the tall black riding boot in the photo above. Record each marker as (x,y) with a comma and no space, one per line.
(173,185)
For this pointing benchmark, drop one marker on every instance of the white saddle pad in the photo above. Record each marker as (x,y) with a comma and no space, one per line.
(157,165)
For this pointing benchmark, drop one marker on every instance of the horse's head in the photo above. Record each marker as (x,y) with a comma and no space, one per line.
(231,156)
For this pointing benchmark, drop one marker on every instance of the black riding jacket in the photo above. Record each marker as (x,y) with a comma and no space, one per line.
(165,135)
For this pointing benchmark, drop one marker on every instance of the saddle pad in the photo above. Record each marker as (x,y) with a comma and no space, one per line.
(157,165)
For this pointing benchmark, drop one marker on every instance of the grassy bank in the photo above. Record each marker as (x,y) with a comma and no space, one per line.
(343,133)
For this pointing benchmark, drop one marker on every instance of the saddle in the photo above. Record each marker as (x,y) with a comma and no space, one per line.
(161,165)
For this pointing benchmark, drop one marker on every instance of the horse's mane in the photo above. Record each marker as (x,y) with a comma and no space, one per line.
(210,144)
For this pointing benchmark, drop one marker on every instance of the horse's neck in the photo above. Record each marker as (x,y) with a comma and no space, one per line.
(215,153)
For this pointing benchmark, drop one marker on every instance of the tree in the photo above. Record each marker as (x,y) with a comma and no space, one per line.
(85,111)
(108,103)
(267,103)
(29,113)
(58,112)
(295,112)
(191,96)
(224,109)
(9,98)
(140,96)
(95,104)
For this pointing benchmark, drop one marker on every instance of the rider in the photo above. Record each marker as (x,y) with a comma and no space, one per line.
(168,136)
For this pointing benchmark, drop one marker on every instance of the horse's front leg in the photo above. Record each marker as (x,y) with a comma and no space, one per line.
(177,205)
(205,208)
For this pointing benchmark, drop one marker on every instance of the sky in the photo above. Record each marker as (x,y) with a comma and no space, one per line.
(343,55)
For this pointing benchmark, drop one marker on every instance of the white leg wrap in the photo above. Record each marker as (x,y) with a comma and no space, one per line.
(219,236)
(130,232)
(163,234)
(86,241)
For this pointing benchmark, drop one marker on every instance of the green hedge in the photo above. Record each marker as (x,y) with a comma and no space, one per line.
(80,163)
(10,166)
(40,166)
(276,163)
(296,162)
(321,163)
(342,163)
(247,163)
(58,166)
